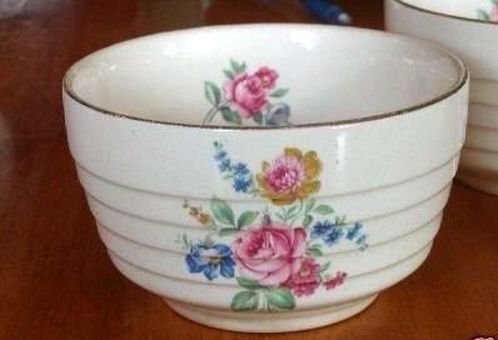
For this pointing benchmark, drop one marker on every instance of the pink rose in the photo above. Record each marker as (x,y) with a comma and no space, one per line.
(247,94)
(268,254)
(304,279)
(494,13)
(285,174)
(267,76)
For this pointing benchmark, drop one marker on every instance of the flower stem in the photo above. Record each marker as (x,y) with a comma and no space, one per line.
(212,113)
(300,209)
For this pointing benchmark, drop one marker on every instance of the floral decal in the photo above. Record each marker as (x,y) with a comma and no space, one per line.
(211,259)
(247,96)
(491,15)
(290,177)
(277,255)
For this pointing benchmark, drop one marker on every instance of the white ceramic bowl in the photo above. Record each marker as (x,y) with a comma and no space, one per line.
(329,191)
(466,28)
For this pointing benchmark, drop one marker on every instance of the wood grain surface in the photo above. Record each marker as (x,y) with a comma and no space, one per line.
(56,281)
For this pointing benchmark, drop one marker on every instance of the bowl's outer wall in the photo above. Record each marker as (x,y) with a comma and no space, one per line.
(393,174)
(476,43)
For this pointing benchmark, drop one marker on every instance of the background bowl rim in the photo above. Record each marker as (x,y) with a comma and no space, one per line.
(444,15)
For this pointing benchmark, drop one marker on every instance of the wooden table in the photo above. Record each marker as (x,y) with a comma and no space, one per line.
(56,281)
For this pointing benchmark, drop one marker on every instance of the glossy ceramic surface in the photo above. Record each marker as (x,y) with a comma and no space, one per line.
(282,176)
(475,42)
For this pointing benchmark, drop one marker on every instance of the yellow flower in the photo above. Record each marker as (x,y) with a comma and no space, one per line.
(204,219)
(197,213)
(290,177)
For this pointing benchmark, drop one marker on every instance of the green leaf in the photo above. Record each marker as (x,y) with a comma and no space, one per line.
(291,209)
(244,301)
(258,117)
(236,67)
(279,93)
(222,211)
(227,231)
(315,250)
(309,205)
(212,93)
(248,284)
(246,218)
(281,298)
(323,209)
(279,215)
(307,221)
(325,267)
(230,116)
(229,74)
(185,242)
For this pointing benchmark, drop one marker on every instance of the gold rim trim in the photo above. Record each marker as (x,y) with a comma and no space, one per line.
(445,15)
(459,84)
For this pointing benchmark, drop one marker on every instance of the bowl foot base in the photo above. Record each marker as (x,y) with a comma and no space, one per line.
(271,322)
(486,184)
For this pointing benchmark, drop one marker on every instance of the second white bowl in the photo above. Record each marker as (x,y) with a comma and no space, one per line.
(469,28)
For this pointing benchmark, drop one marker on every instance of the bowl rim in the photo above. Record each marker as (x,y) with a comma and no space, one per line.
(460,67)
(444,15)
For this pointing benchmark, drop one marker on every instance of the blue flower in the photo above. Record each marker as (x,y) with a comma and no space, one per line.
(354,232)
(242,179)
(220,155)
(278,115)
(333,236)
(211,260)
(224,165)
(240,169)
(242,184)
(328,232)
(320,229)
(362,242)
(237,172)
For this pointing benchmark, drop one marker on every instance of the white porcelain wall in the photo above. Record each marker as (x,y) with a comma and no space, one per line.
(393,174)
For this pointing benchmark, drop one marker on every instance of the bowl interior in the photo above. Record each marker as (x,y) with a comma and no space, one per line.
(264,75)
(485,10)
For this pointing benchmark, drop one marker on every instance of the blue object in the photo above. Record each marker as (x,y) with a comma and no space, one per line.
(211,260)
(330,233)
(328,12)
